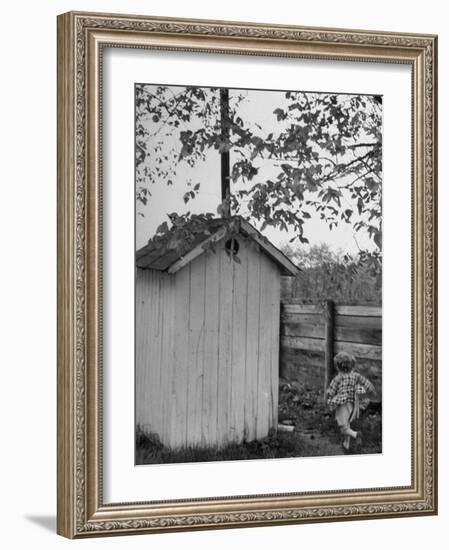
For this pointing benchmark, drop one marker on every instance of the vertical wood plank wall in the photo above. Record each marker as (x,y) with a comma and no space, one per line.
(207,349)
(155,333)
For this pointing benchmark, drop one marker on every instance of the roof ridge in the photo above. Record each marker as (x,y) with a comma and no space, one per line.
(172,259)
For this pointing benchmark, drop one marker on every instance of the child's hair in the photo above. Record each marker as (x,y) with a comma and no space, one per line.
(344,362)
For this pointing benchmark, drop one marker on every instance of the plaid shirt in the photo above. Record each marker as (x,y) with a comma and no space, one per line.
(344,387)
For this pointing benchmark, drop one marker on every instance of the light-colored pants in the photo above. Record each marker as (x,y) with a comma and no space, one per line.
(343,414)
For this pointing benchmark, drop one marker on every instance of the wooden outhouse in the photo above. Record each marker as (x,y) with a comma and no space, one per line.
(207,337)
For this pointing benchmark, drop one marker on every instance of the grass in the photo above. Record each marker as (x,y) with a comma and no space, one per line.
(315,434)
(151,451)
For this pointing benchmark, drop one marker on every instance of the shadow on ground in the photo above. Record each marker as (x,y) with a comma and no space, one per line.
(46,522)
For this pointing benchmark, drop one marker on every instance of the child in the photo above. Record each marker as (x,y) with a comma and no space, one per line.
(343,395)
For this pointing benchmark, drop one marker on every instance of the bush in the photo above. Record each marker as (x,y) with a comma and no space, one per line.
(330,275)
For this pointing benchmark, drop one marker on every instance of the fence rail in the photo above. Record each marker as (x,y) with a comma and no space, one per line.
(330,329)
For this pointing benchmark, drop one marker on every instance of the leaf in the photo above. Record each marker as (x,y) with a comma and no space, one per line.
(372,184)
(163,228)
(360,205)
(378,239)
(223,146)
(280,114)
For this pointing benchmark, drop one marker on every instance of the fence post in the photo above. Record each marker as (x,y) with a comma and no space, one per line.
(329,342)
(283,371)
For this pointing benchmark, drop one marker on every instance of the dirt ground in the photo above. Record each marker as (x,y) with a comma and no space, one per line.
(314,434)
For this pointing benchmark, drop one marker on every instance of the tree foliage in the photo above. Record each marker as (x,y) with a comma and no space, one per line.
(325,154)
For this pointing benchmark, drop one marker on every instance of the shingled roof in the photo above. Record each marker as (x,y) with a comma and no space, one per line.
(159,254)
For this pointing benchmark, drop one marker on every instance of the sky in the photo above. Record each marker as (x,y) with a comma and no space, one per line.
(256,108)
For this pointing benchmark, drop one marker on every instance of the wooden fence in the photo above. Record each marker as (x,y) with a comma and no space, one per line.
(311,335)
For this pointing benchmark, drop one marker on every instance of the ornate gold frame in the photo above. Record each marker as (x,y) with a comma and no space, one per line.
(81,511)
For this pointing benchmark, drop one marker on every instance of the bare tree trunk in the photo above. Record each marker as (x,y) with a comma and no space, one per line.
(225,156)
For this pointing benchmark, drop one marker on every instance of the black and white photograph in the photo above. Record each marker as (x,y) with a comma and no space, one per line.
(258,274)
(247,282)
